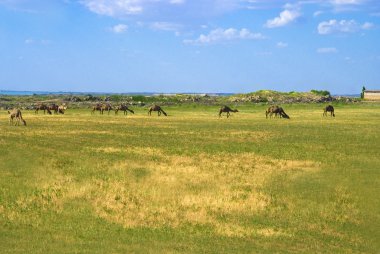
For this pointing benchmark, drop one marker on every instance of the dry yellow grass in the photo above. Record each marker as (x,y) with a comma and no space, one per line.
(174,191)
(190,189)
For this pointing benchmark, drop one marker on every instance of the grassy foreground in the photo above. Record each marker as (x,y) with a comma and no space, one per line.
(191,182)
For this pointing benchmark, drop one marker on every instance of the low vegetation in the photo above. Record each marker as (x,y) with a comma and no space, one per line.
(88,100)
(192,182)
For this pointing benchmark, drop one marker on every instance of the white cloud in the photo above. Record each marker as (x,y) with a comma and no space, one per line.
(166,26)
(348,2)
(367,25)
(289,15)
(219,35)
(29,41)
(37,42)
(281,44)
(317,13)
(327,50)
(120,28)
(344,26)
(114,7)
(177,1)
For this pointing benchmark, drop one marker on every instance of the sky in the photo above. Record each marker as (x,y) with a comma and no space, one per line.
(179,46)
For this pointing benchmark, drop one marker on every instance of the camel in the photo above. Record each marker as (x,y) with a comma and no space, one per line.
(282,113)
(124,108)
(97,107)
(16,113)
(42,107)
(61,109)
(330,109)
(271,110)
(156,108)
(276,110)
(227,110)
(107,107)
(53,107)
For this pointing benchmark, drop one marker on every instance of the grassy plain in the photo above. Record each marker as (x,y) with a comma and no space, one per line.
(192,182)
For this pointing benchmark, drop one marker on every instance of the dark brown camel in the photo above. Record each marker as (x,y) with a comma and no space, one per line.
(156,108)
(42,107)
(227,110)
(330,109)
(16,113)
(53,107)
(124,108)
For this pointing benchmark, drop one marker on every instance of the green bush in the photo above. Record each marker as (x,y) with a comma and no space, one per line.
(321,92)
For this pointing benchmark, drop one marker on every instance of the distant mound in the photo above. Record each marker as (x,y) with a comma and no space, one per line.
(270,96)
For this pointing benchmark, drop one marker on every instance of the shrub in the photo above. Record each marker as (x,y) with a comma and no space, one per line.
(321,92)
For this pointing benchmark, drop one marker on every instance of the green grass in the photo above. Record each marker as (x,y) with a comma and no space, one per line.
(192,182)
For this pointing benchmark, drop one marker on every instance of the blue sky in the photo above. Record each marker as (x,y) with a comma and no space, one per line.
(189,45)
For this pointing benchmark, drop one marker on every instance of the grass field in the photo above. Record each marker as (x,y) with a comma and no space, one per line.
(192,182)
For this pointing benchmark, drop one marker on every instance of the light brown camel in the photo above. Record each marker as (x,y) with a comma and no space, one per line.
(42,107)
(124,108)
(62,109)
(227,110)
(330,109)
(271,110)
(107,107)
(16,113)
(97,107)
(156,108)
(276,110)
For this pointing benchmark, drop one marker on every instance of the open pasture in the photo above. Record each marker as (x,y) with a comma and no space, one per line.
(192,182)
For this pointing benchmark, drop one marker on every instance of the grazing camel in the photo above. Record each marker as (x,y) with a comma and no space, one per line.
(124,108)
(16,113)
(156,108)
(42,107)
(227,110)
(62,109)
(107,107)
(276,110)
(282,113)
(53,107)
(97,107)
(330,109)
(271,110)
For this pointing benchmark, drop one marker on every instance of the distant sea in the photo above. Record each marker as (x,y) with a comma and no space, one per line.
(16,93)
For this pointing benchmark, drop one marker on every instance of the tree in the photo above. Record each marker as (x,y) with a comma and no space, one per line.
(362,94)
